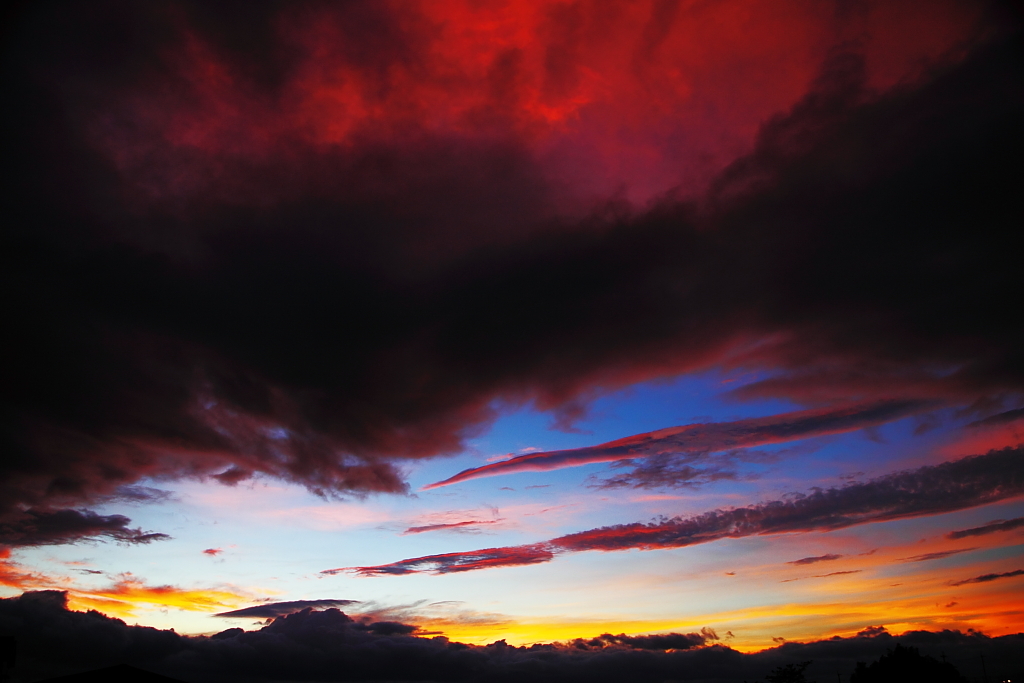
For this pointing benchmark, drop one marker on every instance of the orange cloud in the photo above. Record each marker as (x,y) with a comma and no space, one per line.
(121,598)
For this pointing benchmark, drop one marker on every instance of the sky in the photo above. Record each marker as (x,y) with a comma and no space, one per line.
(516,321)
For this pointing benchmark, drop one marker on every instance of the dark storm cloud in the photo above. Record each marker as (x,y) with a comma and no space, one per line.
(54,527)
(990,528)
(279,609)
(931,490)
(319,313)
(663,447)
(985,578)
(328,645)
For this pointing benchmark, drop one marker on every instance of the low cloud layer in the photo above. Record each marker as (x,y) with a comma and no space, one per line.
(930,490)
(328,645)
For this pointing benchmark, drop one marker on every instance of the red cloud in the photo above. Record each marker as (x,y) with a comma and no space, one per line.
(458,562)
(990,528)
(451,525)
(704,438)
(329,238)
(813,560)
(956,485)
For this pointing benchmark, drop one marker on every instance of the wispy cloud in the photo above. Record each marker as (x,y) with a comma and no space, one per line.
(704,438)
(926,557)
(934,489)
(458,562)
(272,610)
(990,528)
(35,527)
(813,560)
(985,578)
(451,526)
(824,576)
(1000,418)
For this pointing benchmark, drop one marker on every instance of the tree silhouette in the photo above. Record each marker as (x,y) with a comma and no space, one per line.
(791,673)
(906,664)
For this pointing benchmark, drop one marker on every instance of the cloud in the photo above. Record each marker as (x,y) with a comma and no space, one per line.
(329,645)
(122,596)
(457,562)
(313,244)
(35,527)
(824,576)
(1000,418)
(128,591)
(933,489)
(470,523)
(985,578)
(701,439)
(990,528)
(937,555)
(660,641)
(14,575)
(813,560)
(273,610)
(669,471)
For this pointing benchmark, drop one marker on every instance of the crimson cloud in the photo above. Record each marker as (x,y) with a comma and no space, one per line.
(930,490)
(312,242)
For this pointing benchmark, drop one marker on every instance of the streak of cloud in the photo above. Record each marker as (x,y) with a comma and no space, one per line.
(990,528)
(457,562)
(985,578)
(703,438)
(272,610)
(818,558)
(469,523)
(934,489)
(942,554)
(34,527)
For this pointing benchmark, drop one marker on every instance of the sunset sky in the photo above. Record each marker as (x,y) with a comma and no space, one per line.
(529,321)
